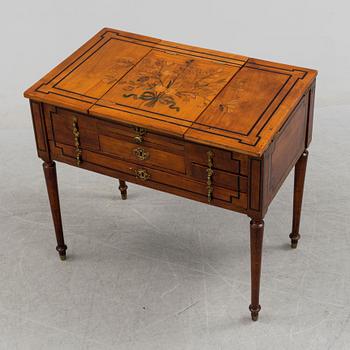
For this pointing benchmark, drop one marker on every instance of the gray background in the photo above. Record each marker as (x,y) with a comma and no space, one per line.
(157,271)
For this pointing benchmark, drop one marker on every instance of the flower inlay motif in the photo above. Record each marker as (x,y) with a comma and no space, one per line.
(166,82)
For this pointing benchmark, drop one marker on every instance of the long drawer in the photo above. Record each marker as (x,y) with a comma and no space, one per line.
(148,158)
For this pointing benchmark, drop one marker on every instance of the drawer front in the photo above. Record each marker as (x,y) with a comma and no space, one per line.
(142,154)
(227,161)
(60,128)
(216,167)
(220,178)
(147,158)
(134,134)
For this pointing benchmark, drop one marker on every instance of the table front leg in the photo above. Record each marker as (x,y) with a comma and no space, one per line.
(299,179)
(123,189)
(52,190)
(256,243)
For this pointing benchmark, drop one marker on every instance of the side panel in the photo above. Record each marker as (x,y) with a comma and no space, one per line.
(286,149)
(40,130)
(310,117)
(255,187)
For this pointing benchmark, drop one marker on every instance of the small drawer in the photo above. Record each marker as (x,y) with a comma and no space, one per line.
(140,136)
(227,161)
(220,178)
(60,128)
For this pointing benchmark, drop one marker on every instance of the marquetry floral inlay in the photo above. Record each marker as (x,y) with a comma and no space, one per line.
(168,83)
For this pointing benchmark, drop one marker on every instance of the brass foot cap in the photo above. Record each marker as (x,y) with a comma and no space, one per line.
(255,316)
(254,312)
(61,249)
(124,196)
(294,239)
(294,244)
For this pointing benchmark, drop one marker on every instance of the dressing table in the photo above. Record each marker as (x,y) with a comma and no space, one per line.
(218,128)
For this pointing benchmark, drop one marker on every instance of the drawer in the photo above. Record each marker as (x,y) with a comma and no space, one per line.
(220,178)
(227,170)
(60,128)
(134,134)
(144,155)
(226,161)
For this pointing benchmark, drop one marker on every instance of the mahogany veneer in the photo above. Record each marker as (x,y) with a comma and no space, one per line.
(214,127)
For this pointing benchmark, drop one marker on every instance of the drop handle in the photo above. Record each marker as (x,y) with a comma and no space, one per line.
(76,135)
(140,133)
(210,173)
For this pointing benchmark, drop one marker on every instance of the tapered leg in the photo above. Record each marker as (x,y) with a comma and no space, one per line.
(52,190)
(123,189)
(299,179)
(256,242)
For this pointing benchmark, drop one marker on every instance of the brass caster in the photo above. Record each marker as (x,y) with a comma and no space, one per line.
(124,196)
(63,257)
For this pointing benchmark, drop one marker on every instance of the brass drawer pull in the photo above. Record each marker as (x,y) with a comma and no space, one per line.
(141,153)
(142,174)
(140,133)
(210,173)
(76,135)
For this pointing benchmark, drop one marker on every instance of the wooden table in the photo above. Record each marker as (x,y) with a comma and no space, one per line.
(218,128)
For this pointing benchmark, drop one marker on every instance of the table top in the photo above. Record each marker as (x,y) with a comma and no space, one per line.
(210,97)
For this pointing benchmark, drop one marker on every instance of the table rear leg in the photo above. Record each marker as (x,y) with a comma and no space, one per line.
(299,179)
(123,189)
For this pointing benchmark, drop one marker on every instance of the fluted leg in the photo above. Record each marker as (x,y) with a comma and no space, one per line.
(299,179)
(123,189)
(52,190)
(256,242)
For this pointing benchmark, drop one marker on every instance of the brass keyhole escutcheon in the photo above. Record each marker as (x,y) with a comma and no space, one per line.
(142,174)
(140,132)
(141,153)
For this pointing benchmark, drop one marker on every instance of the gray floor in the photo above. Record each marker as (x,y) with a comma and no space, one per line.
(161,272)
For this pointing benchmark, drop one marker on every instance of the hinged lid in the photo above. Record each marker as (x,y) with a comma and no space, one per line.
(207,96)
